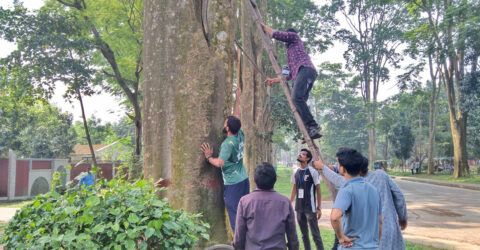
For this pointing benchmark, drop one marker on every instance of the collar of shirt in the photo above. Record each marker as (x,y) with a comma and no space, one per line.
(356,179)
(264,190)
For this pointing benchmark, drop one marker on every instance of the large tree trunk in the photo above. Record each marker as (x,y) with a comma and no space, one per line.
(453,80)
(187,90)
(255,108)
(459,136)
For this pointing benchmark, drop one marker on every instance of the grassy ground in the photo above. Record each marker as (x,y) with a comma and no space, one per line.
(328,237)
(284,186)
(3,225)
(18,204)
(474,178)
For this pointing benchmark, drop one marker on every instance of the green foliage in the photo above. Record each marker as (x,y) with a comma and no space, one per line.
(402,141)
(99,133)
(375,30)
(52,48)
(111,215)
(305,17)
(37,130)
(343,116)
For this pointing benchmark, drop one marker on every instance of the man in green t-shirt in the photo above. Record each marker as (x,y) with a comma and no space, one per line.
(230,160)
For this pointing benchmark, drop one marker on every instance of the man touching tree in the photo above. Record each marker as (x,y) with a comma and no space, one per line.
(302,73)
(230,160)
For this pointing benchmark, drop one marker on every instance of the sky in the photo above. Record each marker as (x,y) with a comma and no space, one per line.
(108,108)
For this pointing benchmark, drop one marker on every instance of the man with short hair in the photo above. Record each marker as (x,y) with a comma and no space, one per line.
(358,202)
(394,208)
(306,189)
(264,217)
(301,72)
(230,160)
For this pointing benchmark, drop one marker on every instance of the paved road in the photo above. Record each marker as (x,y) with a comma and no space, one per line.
(442,213)
(7,213)
(443,217)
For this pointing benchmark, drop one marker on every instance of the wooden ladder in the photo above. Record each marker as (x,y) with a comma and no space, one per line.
(257,18)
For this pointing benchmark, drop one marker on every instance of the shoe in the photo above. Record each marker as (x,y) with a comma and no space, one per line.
(314,131)
(315,136)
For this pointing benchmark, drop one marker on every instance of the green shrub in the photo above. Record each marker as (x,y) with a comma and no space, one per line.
(112,215)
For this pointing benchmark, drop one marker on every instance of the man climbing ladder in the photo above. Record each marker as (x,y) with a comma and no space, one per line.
(302,73)
(257,18)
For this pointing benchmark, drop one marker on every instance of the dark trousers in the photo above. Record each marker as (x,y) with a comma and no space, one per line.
(335,243)
(309,219)
(231,196)
(301,89)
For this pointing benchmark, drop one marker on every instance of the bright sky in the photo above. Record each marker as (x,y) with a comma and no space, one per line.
(108,108)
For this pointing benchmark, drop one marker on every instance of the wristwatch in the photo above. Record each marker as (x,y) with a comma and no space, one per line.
(207,159)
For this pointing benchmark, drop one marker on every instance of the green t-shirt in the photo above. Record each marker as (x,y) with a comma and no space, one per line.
(231,152)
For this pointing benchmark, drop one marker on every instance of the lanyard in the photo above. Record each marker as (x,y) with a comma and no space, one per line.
(300,181)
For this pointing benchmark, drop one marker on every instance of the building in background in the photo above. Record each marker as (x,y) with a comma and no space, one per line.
(23,178)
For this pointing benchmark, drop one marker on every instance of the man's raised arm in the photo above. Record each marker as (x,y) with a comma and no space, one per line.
(236,106)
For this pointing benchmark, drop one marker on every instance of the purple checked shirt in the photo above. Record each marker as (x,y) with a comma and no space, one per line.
(296,54)
(264,217)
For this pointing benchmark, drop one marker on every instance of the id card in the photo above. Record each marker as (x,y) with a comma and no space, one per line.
(300,193)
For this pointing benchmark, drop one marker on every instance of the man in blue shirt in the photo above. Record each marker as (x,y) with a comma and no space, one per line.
(88,180)
(358,205)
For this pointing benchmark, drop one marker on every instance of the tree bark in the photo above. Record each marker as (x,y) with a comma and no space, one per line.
(459,137)
(188,81)
(255,108)
(85,126)
(432,119)
(453,73)
(372,149)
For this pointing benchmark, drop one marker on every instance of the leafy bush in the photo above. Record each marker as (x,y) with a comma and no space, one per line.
(113,215)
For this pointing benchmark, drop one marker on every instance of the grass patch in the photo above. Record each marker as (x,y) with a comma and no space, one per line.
(3,225)
(284,184)
(474,179)
(17,204)
(328,238)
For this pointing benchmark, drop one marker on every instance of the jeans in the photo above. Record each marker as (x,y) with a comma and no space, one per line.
(231,196)
(309,219)
(302,86)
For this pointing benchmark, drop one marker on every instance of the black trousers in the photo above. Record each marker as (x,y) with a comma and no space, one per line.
(309,219)
(301,89)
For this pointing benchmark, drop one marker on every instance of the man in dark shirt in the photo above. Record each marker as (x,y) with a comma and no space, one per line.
(264,217)
(306,188)
(302,73)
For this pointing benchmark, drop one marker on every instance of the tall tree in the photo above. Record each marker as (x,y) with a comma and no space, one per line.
(52,48)
(188,81)
(344,121)
(116,27)
(255,109)
(402,142)
(451,24)
(373,36)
